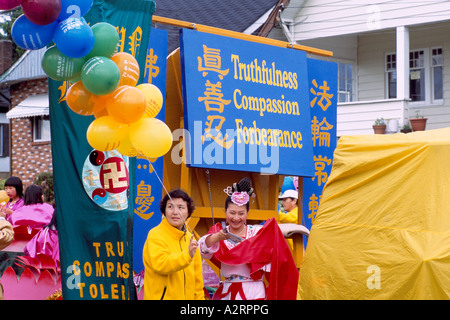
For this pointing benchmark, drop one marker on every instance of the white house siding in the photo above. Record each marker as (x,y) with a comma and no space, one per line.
(357,118)
(371,57)
(371,77)
(325,18)
(371,25)
(427,37)
(344,48)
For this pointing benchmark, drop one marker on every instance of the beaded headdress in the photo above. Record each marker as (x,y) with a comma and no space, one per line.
(240,192)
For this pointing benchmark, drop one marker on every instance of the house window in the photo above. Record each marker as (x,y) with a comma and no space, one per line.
(41,128)
(391,72)
(345,82)
(4,140)
(436,72)
(425,75)
(417,75)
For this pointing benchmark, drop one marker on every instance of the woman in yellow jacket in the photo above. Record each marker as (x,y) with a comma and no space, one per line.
(290,206)
(173,265)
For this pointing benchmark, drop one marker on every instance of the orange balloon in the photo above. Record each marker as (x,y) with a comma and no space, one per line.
(153,98)
(106,134)
(78,98)
(101,113)
(99,103)
(129,68)
(126,104)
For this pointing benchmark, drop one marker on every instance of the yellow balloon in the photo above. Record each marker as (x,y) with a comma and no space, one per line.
(106,134)
(3,196)
(126,148)
(153,98)
(151,137)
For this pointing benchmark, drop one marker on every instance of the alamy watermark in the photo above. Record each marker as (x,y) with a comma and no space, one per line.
(374,280)
(198,148)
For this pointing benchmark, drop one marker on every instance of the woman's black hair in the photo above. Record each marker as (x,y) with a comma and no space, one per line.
(16,183)
(177,194)
(245,185)
(54,222)
(33,195)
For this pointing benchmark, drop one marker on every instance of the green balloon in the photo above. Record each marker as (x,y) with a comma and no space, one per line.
(106,40)
(100,75)
(59,67)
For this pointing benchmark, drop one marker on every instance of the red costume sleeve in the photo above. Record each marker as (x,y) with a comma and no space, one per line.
(267,246)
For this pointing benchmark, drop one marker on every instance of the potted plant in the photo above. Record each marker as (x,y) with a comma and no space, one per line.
(379,126)
(418,123)
(406,128)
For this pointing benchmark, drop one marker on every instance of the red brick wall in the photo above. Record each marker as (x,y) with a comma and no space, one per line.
(6,53)
(28,158)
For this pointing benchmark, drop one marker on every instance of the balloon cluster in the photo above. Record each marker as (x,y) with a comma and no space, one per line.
(103,81)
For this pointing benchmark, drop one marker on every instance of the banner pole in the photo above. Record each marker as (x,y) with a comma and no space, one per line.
(239,35)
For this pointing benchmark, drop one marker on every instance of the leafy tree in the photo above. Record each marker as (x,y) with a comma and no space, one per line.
(45,180)
(8,18)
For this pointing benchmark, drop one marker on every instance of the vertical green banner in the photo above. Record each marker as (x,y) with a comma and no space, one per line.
(92,188)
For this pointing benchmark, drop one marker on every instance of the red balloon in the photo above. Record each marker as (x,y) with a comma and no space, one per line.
(41,12)
(9,4)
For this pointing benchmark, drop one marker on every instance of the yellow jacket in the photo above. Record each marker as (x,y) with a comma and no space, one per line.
(170,272)
(290,217)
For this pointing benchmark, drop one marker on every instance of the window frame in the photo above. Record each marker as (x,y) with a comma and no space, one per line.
(429,86)
(4,141)
(414,67)
(432,71)
(350,95)
(388,71)
(42,127)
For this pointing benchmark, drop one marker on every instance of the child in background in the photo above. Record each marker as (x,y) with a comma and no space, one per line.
(35,213)
(14,190)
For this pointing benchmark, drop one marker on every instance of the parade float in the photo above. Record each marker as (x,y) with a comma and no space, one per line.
(124,123)
(130,124)
(382,229)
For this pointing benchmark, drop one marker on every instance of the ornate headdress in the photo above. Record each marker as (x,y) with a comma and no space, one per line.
(240,192)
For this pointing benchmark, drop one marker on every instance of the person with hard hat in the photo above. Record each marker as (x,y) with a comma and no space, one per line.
(290,206)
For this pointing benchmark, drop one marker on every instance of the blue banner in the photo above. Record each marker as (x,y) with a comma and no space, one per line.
(148,189)
(322,81)
(246,105)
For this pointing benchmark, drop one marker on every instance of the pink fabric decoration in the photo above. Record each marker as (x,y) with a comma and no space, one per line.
(33,215)
(46,242)
(16,206)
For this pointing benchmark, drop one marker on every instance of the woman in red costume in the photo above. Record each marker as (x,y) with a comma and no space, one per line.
(249,254)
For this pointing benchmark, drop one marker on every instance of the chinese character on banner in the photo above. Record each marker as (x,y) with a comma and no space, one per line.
(210,65)
(148,189)
(144,200)
(322,77)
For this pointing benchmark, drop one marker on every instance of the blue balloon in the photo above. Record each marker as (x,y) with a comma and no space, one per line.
(30,36)
(74,37)
(74,9)
(288,184)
